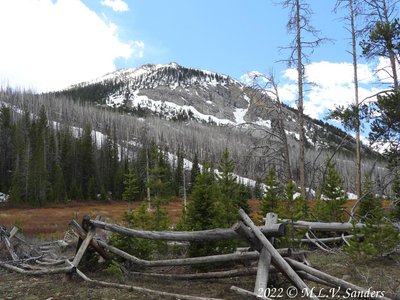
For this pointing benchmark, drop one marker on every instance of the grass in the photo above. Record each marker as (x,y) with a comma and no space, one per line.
(52,222)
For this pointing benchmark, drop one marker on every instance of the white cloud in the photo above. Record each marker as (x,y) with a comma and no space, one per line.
(50,45)
(332,85)
(116,5)
(384,70)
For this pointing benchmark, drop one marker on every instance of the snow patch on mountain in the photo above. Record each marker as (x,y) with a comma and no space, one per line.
(171,109)
(239,114)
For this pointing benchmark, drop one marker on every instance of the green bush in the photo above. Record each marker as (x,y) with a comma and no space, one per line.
(377,239)
(142,219)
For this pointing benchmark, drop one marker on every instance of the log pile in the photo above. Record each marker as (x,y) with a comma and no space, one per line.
(43,260)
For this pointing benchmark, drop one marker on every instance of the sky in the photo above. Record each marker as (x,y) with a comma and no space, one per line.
(51,44)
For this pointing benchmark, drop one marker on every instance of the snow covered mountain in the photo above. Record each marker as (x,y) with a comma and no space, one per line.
(214,111)
(179,93)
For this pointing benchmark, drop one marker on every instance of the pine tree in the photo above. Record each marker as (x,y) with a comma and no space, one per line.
(232,200)
(370,208)
(86,160)
(273,192)
(194,172)
(178,174)
(6,133)
(38,183)
(257,191)
(131,189)
(329,206)
(396,197)
(206,212)
(293,205)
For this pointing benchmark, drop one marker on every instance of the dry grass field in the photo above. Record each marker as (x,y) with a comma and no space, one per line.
(52,222)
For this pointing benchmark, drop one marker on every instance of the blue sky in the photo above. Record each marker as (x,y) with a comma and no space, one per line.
(52,44)
(226,36)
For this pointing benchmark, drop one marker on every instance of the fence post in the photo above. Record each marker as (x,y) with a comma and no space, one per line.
(264,261)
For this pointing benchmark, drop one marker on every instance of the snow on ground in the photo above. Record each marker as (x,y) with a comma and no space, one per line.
(352,196)
(264,123)
(115,100)
(292,133)
(239,114)
(166,106)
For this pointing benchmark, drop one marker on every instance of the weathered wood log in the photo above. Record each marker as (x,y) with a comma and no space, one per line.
(84,245)
(320,226)
(36,272)
(264,261)
(275,230)
(186,261)
(13,232)
(310,277)
(139,289)
(49,263)
(331,239)
(246,293)
(82,234)
(278,260)
(331,279)
(247,235)
(10,249)
(208,275)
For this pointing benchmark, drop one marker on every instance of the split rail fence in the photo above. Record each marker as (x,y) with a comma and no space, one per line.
(40,261)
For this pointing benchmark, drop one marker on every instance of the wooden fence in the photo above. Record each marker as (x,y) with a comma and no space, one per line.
(259,239)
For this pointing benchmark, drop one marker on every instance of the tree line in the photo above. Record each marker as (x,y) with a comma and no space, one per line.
(46,162)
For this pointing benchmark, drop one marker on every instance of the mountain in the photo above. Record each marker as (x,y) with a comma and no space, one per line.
(206,112)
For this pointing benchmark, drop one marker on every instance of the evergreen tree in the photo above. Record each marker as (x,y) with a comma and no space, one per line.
(257,191)
(385,127)
(232,200)
(6,133)
(273,192)
(293,205)
(38,183)
(131,189)
(86,160)
(396,197)
(178,174)
(194,172)
(206,212)
(370,208)
(329,206)
(67,160)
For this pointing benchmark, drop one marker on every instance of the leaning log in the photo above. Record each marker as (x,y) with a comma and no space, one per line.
(10,249)
(331,279)
(278,260)
(275,230)
(187,261)
(82,235)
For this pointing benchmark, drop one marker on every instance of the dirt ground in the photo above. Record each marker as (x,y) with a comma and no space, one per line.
(381,275)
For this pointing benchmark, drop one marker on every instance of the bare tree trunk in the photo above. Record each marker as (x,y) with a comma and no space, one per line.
(300,108)
(148,180)
(184,188)
(356,98)
(392,55)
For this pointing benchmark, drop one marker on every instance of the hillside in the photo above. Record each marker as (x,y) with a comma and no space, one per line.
(210,111)
(196,111)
